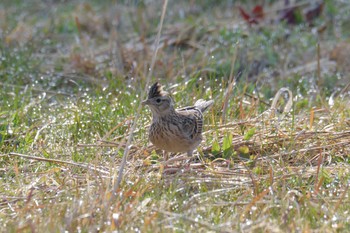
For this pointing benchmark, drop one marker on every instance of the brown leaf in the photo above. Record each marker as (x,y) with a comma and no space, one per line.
(313,12)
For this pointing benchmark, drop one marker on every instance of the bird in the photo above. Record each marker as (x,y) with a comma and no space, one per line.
(174,130)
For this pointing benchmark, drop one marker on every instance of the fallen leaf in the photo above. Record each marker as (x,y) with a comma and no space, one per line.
(256,16)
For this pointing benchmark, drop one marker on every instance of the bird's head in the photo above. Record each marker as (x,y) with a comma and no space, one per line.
(159,100)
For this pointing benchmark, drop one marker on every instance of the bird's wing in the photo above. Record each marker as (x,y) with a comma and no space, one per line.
(192,121)
(203,104)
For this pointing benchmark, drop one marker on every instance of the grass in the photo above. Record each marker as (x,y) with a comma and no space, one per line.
(72,76)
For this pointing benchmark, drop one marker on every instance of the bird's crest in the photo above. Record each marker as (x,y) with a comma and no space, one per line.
(156,90)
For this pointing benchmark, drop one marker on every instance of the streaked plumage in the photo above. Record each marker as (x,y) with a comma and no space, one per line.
(174,130)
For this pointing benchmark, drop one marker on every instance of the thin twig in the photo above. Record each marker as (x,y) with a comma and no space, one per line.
(82,165)
(288,105)
(319,81)
(341,199)
(305,150)
(257,98)
(232,82)
(119,176)
(38,133)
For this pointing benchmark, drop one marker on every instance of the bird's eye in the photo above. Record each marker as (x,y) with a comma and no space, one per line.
(158,100)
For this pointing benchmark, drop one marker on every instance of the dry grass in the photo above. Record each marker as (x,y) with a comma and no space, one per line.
(277,141)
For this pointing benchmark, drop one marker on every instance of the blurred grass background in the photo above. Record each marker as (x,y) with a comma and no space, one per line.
(72,73)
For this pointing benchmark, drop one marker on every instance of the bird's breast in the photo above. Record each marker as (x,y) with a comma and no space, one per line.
(171,137)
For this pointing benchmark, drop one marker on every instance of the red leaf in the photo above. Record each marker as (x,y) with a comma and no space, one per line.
(258,12)
(244,14)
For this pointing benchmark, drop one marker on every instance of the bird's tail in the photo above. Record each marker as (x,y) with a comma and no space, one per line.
(203,105)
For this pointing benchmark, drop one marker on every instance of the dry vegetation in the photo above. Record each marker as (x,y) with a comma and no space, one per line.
(277,142)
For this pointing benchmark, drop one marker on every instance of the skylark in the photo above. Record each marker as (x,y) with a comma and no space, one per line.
(174,130)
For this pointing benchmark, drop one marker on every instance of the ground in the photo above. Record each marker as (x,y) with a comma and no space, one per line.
(275,154)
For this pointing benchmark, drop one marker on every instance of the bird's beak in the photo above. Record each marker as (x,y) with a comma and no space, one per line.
(145,102)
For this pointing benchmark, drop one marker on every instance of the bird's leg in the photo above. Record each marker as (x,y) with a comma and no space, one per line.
(165,156)
(188,160)
(189,154)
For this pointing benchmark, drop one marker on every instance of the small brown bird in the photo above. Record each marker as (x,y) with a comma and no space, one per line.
(174,130)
